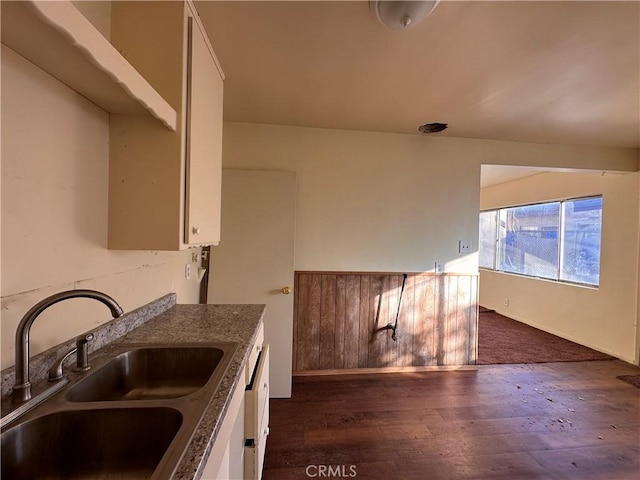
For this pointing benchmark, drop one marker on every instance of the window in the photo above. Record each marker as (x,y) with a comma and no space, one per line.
(487,247)
(580,246)
(528,240)
(555,240)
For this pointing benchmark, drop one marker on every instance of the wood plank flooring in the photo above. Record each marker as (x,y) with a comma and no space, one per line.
(539,421)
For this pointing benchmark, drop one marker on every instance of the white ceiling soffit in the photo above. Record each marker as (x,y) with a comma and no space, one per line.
(495,174)
(548,72)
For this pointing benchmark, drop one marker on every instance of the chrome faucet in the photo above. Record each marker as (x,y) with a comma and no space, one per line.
(22,387)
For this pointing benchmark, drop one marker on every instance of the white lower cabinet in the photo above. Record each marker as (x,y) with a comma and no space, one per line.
(238,453)
(228,451)
(256,426)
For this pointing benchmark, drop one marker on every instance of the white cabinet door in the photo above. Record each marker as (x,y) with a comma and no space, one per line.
(256,422)
(204,143)
(257,400)
(164,186)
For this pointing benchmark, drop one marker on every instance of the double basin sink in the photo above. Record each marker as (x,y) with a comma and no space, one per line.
(131,416)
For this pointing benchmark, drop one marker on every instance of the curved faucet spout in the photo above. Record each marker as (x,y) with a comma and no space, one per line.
(22,387)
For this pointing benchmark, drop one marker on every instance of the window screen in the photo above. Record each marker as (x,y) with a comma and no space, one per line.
(487,247)
(528,240)
(582,226)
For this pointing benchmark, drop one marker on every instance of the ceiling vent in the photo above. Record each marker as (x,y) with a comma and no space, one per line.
(432,127)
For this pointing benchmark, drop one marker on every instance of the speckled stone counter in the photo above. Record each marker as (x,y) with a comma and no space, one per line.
(205,323)
(162,321)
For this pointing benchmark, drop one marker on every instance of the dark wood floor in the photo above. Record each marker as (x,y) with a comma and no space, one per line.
(553,421)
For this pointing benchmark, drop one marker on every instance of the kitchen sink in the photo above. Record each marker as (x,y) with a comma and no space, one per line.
(118,443)
(149,373)
(131,416)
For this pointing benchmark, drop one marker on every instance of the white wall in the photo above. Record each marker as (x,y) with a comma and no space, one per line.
(389,202)
(603,318)
(98,12)
(366,201)
(637,324)
(55,161)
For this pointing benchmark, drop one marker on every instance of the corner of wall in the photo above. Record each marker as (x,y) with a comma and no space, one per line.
(637,324)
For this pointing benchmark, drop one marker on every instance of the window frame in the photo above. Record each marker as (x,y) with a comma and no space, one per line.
(561,247)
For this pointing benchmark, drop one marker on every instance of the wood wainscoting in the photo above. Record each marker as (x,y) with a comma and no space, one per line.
(339,320)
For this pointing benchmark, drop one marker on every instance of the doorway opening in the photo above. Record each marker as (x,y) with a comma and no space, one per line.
(525,318)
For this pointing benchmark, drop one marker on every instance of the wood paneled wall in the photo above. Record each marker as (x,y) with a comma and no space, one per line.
(339,320)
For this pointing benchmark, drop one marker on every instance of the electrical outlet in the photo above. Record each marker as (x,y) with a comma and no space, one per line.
(439,267)
(506,302)
(187,271)
(464,246)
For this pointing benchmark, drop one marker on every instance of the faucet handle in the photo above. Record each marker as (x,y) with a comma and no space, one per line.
(82,357)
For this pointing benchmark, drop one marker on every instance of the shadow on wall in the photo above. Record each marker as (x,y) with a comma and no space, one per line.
(340,320)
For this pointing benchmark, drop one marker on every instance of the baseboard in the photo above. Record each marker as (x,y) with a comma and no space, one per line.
(360,371)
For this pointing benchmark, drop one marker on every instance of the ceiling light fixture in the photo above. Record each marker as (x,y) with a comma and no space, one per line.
(400,15)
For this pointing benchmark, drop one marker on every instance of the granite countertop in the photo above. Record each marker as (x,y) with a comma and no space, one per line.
(162,321)
(205,323)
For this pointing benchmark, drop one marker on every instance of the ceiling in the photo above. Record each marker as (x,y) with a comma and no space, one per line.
(547,72)
(495,174)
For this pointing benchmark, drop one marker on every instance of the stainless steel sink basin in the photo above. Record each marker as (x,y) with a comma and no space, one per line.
(118,443)
(133,415)
(149,373)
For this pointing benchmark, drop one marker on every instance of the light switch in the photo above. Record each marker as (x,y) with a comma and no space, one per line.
(464,246)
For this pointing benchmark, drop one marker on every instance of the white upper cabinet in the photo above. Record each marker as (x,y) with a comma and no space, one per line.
(159,79)
(165,186)
(60,40)
(204,150)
